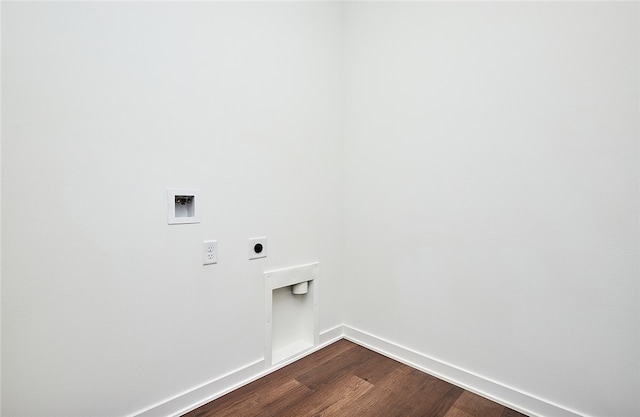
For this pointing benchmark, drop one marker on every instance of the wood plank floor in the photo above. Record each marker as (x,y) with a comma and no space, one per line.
(345,380)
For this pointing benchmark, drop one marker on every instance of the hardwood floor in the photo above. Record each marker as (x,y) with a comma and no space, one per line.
(345,380)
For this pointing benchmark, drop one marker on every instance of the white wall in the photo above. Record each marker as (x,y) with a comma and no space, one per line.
(491,191)
(107,309)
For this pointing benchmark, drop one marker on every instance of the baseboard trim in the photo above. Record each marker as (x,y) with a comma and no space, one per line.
(495,391)
(196,397)
(201,395)
(332,335)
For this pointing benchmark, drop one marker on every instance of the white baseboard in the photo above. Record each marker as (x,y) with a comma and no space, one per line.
(332,335)
(201,395)
(495,391)
(194,398)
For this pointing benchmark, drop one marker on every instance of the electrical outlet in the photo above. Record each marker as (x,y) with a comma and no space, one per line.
(257,247)
(209,252)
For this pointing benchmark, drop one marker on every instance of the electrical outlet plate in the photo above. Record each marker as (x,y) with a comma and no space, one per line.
(257,247)
(209,252)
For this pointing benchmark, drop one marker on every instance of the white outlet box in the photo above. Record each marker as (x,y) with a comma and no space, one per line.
(209,252)
(257,247)
(183,205)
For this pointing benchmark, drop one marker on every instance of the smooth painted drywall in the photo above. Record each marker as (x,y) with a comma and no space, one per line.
(491,191)
(107,310)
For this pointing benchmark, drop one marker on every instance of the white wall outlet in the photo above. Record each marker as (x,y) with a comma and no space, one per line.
(257,247)
(209,252)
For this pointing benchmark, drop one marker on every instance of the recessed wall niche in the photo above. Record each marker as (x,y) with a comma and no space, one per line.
(291,326)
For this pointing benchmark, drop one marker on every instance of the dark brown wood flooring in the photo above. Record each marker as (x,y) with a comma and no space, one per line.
(344,380)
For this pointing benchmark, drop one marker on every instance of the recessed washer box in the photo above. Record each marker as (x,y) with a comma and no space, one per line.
(183,205)
(292,320)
